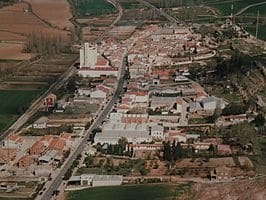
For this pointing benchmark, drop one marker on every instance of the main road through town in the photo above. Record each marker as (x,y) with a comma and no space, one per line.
(97,122)
(55,86)
(58,178)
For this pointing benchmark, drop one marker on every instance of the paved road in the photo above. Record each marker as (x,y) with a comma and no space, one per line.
(57,180)
(97,122)
(161,12)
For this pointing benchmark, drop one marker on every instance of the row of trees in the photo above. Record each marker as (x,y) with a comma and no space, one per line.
(44,44)
(173,152)
(116,149)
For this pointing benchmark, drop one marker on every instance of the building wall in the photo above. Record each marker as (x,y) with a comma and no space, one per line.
(98,94)
(106,183)
(95,73)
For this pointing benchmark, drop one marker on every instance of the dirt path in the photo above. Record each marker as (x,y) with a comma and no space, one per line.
(45,22)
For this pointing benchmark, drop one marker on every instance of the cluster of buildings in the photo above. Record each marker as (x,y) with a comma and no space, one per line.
(159,97)
(28,156)
(94,65)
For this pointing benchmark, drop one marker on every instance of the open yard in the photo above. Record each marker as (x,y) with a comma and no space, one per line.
(143,192)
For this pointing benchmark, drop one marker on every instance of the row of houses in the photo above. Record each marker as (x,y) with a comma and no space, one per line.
(48,148)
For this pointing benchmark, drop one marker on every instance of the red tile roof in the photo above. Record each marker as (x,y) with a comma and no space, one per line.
(57,144)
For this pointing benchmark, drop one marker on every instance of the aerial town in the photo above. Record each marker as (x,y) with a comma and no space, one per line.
(132,99)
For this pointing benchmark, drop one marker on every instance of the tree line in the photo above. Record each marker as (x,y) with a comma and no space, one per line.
(44,44)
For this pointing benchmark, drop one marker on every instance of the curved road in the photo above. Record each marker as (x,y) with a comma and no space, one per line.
(161,12)
(248,7)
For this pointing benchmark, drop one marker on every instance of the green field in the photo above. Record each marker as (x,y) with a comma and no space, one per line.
(13,103)
(135,192)
(93,7)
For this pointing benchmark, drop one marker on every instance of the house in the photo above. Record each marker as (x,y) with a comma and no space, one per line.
(25,161)
(37,148)
(224,149)
(98,94)
(201,146)
(123,108)
(7,155)
(146,147)
(46,139)
(48,102)
(48,156)
(162,102)
(57,144)
(157,132)
(40,123)
(13,141)
(84,91)
(231,119)
(138,97)
(129,118)
(101,91)
(194,107)
(67,137)
(179,105)
(221,173)
(177,136)
(211,103)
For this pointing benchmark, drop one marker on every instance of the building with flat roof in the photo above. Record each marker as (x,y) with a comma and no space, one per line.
(134,133)
(94,180)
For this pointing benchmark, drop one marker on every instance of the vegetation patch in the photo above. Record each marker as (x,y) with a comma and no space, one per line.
(143,192)
(93,7)
(14,103)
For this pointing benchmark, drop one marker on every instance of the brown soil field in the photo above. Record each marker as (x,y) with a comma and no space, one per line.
(56,12)
(17,22)
(17,19)
(7,36)
(238,190)
(13,52)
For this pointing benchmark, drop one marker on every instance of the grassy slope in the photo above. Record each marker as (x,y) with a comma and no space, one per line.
(143,192)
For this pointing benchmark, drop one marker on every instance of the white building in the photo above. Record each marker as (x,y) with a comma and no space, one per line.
(88,56)
(92,65)
(211,103)
(157,132)
(97,180)
(98,94)
(112,132)
(41,123)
